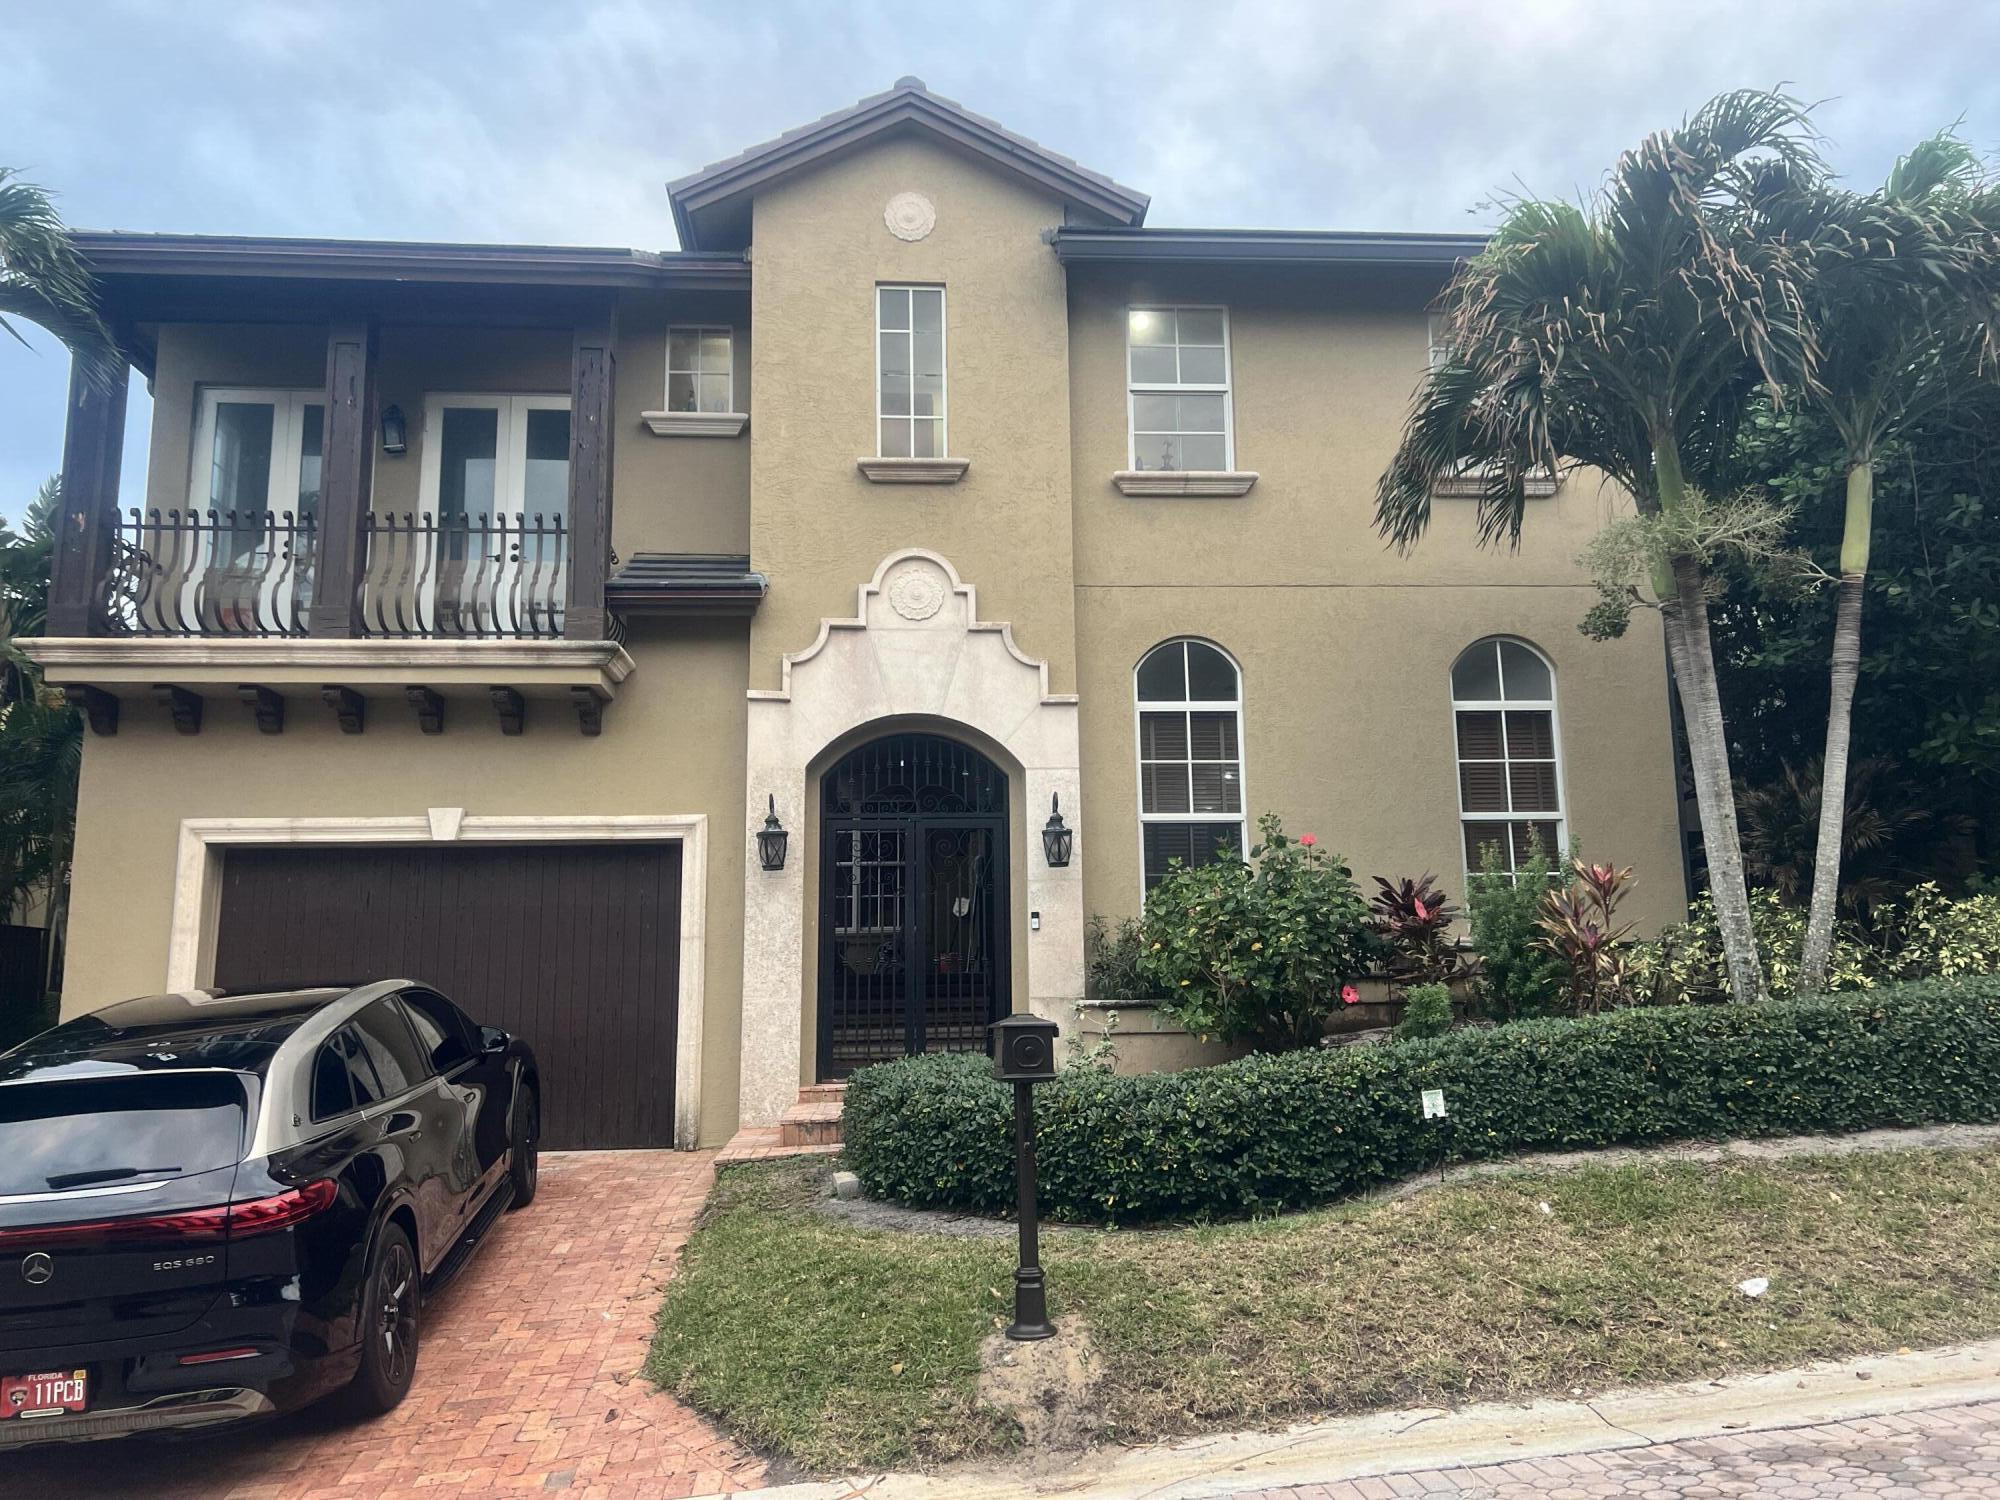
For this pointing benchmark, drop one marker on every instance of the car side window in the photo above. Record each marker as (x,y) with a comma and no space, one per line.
(441,1030)
(332,1093)
(361,1073)
(392,1049)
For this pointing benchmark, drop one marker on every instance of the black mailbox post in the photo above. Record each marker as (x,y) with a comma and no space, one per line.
(1023,1049)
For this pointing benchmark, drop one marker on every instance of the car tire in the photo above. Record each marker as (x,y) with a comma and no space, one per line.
(524,1141)
(391,1317)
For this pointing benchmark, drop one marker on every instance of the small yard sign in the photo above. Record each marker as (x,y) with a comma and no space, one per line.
(1434,1104)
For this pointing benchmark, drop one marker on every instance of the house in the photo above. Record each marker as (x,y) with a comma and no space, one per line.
(488,602)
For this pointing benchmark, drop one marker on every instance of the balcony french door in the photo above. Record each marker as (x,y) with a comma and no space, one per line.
(913,932)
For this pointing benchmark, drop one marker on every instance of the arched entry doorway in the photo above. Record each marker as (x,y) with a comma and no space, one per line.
(913,933)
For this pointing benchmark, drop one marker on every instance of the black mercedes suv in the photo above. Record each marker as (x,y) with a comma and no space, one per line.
(217,1205)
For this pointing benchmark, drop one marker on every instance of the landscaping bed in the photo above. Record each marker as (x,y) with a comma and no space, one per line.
(839,1348)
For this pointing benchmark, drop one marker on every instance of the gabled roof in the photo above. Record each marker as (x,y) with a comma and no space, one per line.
(712,206)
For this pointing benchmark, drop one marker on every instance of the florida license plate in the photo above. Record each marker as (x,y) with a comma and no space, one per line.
(50,1393)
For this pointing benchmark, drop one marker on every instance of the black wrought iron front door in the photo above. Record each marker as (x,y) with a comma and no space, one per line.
(913,902)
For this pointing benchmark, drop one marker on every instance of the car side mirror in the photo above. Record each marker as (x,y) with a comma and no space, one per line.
(493,1040)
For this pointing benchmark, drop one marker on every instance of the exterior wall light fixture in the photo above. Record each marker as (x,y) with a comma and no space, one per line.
(395,432)
(772,838)
(1056,839)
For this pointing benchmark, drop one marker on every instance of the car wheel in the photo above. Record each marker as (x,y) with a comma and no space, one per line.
(525,1141)
(391,1318)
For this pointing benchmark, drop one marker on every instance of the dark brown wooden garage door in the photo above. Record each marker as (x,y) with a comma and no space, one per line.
(575,948)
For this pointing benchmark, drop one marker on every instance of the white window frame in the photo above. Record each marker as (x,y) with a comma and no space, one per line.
(287,440)
(1226,390)
(699,330)
(944,359)
(1142,707)
(510,462)
(1504,705)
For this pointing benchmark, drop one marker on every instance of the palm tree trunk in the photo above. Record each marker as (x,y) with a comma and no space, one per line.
(1692,655)
(1839,727)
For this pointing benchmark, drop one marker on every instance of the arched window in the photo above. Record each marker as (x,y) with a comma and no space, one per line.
(1190,756)
(1503,701)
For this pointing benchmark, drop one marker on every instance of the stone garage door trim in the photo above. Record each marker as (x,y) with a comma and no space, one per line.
(198,873)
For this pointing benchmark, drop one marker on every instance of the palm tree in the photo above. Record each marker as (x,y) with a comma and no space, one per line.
(1892,287)
(44,281)
(41,737)
(1626,334)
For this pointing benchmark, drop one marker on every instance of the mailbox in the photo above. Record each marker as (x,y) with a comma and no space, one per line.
(1023,1049)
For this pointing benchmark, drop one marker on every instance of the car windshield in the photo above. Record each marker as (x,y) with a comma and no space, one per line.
(90,1132)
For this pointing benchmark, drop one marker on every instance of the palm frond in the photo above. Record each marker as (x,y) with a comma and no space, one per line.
(44,281)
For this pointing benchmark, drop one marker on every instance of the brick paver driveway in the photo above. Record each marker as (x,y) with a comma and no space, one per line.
(528,1379)
(1953,1451)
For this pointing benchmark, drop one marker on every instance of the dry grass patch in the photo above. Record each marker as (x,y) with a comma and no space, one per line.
(842,1348)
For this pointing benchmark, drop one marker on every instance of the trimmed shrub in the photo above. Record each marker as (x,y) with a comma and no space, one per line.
(1426,1012)
(1289,1131)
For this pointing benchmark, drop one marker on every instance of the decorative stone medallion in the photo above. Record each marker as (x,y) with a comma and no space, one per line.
(910,216)
(916,592)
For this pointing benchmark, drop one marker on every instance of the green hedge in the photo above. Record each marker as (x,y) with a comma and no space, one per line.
(1288,1131)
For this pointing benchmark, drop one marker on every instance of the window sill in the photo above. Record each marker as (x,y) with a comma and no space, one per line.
(1535,487)
(1183,482)
(696,423)
(913,470)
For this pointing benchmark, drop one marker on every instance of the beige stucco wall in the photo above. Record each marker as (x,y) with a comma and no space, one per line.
(672,744)
(1346,646)
(820,248)
(669,494)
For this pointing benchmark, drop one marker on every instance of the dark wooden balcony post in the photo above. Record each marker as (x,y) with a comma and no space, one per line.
(592,405)
(93,445)
(345,473)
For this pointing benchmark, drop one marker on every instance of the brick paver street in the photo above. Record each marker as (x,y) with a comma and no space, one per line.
(527,1380)
(1953,1451)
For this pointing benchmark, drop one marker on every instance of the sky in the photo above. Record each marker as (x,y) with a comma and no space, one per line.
(559,121)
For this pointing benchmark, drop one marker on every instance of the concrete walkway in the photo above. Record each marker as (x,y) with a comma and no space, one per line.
(1926,1423)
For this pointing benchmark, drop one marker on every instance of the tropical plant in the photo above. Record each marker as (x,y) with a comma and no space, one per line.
(1899,289)
(1516,976)
(1625,335)
(1426,1013)
(1413,920)
(1111,957)
(1259,950)
(1927,698)
(1892,836)
(1684,965)
(41,737)
(1928,935)
(1580,926)
(44,281)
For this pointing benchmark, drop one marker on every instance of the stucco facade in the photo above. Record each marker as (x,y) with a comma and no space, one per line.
(1004,607)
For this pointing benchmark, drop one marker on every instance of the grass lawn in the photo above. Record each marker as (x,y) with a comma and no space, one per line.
(840,1348)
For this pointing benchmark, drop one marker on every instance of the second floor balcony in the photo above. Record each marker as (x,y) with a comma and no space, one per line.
(377,472)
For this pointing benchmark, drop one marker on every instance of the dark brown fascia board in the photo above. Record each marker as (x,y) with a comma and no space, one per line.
(118,253)
(909,103)
(1264,247)
(681,604)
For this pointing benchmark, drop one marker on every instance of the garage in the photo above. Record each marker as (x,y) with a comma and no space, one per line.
(573,947)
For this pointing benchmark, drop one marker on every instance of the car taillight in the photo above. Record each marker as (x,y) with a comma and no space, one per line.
(281,1210)
(224,1221)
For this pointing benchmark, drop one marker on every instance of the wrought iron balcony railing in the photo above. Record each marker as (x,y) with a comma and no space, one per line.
(224,573)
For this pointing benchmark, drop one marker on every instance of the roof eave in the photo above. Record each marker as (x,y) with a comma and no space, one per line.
(1263,247)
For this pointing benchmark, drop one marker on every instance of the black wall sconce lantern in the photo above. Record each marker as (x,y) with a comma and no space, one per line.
(395,432)
(771,839)
(1056,839)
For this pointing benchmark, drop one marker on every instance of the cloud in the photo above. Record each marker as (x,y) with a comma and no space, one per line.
(521,120)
